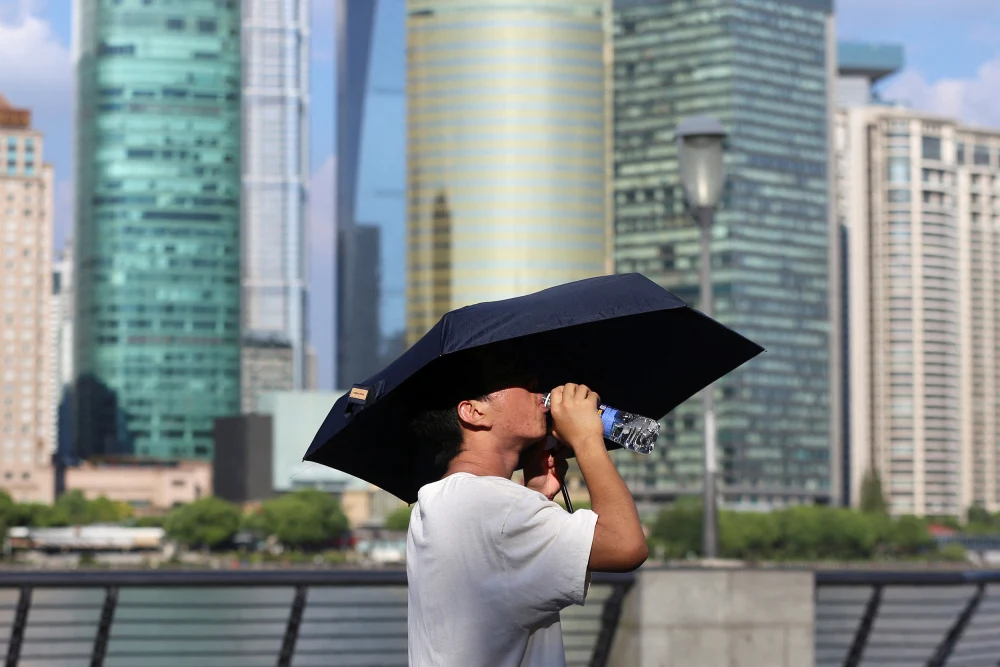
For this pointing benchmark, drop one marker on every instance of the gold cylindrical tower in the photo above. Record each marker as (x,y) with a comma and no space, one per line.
(508,126)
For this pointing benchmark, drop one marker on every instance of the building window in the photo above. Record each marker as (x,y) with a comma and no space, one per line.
(960,153)
(931,148)
(981,155)
(898,169)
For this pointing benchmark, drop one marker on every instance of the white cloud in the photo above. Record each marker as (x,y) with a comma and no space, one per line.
(322,232)
(974,100)
(38,71)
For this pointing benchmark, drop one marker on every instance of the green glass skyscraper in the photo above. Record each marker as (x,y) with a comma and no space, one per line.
(158,226)
(764,69)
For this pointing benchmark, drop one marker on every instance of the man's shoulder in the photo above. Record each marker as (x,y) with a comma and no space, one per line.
(477,487)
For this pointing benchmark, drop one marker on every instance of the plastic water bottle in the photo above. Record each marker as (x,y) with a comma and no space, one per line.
(631,431)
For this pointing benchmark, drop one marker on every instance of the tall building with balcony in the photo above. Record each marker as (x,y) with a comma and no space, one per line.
(27,438)
(861,67)
(920,199)
(158,172)
(766,70)
(371,187)
(275,184)
(509,124)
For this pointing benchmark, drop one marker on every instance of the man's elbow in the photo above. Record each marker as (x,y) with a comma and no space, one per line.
(638,555)
(620,558)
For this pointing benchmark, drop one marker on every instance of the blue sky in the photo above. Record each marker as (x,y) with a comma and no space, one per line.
(953,67)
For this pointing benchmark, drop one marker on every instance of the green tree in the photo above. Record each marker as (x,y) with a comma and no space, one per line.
(149,521)
(7,506)
(872,498)
(73,505)
(850,535)
(678,528)
(748,535)
(37,515)
(102,510)
(399,519)
(208,522)
(304,519)
(910,536)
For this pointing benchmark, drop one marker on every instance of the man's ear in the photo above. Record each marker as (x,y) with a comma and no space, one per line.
(473,414)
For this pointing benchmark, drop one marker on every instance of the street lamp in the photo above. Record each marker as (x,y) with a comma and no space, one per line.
(699,154)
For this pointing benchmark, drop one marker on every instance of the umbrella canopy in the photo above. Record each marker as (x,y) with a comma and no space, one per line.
(636,344)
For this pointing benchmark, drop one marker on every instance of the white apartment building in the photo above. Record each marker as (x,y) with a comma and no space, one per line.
(275,184)
(27,439)
(919,210)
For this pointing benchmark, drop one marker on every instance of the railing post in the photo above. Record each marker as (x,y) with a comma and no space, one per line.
(292,629)
(611,613)
(104,627)
(943,652)
(17,629)
(864,628)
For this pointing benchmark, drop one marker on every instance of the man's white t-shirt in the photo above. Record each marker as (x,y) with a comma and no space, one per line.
(489,564)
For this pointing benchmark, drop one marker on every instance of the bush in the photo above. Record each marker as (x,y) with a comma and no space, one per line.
(209,522)
(953,551)
(306,519)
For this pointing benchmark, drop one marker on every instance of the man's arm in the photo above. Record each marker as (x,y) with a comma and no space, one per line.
(619,541)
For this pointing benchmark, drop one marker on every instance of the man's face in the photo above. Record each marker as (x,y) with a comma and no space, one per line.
(519,412)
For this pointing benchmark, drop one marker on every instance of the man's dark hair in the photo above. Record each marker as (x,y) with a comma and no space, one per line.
(438,430)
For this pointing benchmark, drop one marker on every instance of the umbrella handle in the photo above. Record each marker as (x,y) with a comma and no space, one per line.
(565,492)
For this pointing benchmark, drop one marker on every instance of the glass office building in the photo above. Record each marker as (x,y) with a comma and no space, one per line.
(275,180)
(508,133)
(158,226)
(764,69)
(371,186)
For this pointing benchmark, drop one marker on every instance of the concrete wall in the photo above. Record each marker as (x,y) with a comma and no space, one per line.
(716,618)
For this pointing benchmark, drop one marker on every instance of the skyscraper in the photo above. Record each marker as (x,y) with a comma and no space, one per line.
(275,172)
(371,185)
(765,70)
(158,226)
(27,438)
(63,314)
(508,133)
(860,67)
(920,200)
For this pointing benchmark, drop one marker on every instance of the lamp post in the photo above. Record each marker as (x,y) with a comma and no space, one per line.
(699,154)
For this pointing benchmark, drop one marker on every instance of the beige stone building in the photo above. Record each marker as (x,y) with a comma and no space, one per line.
(147,488)
(919,208)
(27,439)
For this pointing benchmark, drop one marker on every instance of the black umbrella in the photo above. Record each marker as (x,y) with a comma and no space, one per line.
(639,346)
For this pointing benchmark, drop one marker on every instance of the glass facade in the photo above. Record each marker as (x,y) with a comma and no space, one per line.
(158,226)
(371,187)
(508,124)
(275,172)
(761,68)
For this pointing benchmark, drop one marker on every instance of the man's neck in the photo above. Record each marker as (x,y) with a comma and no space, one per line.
(485,459)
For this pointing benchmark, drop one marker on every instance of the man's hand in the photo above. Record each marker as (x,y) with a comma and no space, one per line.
(544,469)
(575,420)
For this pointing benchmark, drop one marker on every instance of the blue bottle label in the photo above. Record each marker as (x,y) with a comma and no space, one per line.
(608,416)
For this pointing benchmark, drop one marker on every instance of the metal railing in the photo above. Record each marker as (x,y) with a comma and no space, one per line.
(889,619)
(156,618)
